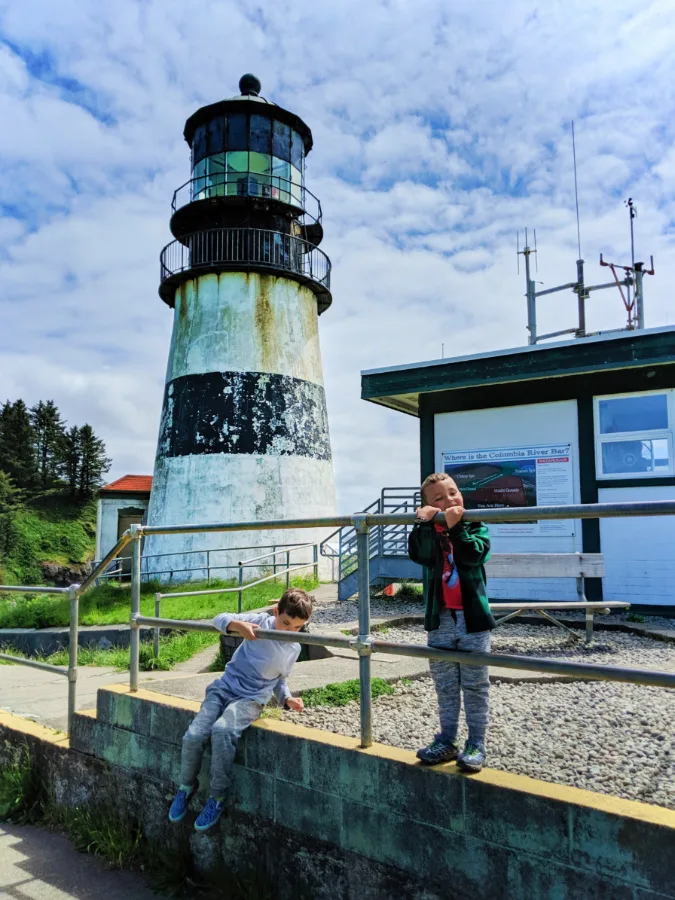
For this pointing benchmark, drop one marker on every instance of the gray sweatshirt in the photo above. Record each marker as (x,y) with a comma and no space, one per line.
(258,669)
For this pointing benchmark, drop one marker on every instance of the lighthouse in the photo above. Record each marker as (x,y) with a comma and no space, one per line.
(244,430)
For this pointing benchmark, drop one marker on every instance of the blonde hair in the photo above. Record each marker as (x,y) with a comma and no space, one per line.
(434,478)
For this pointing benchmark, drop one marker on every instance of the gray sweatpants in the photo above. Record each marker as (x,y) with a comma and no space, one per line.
(222,718)
(452,680)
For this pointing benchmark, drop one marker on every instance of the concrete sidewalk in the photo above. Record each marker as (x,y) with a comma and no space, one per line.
(37,864)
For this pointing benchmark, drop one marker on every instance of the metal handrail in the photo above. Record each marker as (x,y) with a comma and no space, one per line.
(248,184)
(365,644)
(252,246)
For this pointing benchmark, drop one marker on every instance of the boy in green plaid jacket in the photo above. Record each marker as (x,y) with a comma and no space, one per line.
(457,617)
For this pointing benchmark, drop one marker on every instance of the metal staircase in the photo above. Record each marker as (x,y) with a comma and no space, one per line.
(389,561)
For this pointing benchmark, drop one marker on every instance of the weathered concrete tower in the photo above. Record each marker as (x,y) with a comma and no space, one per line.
(244,432)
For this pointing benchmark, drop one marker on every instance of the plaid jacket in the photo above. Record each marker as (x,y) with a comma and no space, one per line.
(471,545)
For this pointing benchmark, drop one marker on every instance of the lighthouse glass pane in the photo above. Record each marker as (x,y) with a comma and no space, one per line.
(260,168)
(297,150)
(296,186)
(281,141)
(199,143)
(237,136)
(199,183)
(215,170)
(215,135)
(237,173)
(261,135)
(646,412)
(281,177)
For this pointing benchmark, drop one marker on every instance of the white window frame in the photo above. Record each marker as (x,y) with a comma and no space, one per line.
(617,437)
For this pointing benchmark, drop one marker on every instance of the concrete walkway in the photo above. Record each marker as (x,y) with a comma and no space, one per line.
(37,864)
(43,697)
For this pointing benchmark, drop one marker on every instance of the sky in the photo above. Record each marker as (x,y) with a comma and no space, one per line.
(440,131)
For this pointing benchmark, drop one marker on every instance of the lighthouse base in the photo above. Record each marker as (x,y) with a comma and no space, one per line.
(213,489)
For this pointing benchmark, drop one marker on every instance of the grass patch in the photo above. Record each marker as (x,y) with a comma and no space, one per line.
(50,527)
(21,793)
(635,617)
(410,591)
(173,649)
(99,831)
(109,604)
(344,693)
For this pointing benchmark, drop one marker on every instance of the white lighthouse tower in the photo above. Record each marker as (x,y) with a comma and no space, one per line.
(244,431)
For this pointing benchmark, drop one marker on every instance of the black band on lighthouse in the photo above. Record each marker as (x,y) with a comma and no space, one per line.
(244,412)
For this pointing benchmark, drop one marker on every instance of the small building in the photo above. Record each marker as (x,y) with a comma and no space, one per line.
(590,420)
(121,503)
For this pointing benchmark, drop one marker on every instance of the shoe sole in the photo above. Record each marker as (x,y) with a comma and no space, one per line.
(467,767)
(206,827)
(436,762)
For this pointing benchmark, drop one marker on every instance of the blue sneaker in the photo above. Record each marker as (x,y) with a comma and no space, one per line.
(208,817)
(437,752)
(472,758)
(181,803)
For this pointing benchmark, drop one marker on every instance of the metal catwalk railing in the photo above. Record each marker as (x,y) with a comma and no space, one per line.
(364,644)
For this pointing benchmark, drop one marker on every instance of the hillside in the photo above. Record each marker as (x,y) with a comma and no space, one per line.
(51,529)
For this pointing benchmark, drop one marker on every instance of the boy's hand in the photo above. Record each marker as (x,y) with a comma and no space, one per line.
(244,629)
(453,516)
(295,703)
(426,513)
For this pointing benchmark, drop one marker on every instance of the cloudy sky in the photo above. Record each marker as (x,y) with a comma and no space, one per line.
(440,129)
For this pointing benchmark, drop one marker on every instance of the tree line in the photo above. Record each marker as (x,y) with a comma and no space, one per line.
(38,451)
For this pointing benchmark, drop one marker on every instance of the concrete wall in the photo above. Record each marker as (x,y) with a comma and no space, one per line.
(244,432)
(319,818)
(516,426)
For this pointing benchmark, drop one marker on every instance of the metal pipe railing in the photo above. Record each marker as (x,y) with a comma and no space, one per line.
(365,644)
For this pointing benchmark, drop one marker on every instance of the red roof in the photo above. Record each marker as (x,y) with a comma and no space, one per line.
(138,484)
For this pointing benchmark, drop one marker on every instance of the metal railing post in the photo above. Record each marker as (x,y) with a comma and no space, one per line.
(288,565)
(274,558)
(73,641)
(363,644)
(155,643)
(134,639)
(241,593)
(315,557)
(208,568)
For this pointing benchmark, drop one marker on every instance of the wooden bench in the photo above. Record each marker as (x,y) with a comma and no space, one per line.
(551,565)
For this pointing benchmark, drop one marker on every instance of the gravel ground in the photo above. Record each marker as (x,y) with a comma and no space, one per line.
(614,738)
(337,612)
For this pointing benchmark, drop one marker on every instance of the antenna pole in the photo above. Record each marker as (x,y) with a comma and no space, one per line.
(576,189)
(580,291)
(531,300)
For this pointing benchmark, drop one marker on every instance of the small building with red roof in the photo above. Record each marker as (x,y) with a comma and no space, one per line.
(122,503)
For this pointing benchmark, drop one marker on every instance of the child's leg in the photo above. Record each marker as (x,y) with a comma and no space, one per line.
(446,677)
(475,684)
(225,735)
(198,733)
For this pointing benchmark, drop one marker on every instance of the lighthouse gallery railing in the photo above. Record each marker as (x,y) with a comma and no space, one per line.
(241,247)
(364,644)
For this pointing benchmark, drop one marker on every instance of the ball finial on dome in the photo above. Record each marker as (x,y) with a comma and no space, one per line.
(249,84)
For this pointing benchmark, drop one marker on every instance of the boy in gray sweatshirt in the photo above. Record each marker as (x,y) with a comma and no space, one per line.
(257,670)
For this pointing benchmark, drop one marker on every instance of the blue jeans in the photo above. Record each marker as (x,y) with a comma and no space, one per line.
(452,681)
(222,718)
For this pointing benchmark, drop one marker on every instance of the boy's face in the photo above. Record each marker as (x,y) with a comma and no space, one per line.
(443,495)
(284,622)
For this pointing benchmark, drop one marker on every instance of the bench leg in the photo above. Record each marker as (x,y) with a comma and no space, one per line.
(502,619)
(589,626)
(552,619)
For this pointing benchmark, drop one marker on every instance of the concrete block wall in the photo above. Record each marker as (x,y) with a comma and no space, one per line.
(324,818)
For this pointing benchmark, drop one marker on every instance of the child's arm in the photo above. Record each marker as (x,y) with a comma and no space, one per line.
(285,698)
(243,624)
(422,544)
(470,542)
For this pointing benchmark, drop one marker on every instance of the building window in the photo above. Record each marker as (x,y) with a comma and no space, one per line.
(634,435)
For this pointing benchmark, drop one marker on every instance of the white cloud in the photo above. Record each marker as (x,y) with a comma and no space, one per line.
(437,136)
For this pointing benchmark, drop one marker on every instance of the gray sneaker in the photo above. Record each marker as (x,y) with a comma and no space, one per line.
(472,758)
(437,752)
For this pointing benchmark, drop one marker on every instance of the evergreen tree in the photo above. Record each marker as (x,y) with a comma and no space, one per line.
(9,500)
(48,434)
(71,458)
(93,461)
(17,455)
